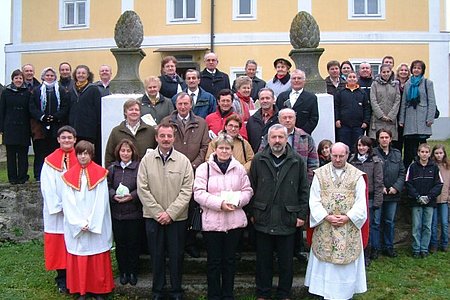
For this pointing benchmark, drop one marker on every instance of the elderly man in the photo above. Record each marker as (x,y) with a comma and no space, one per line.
(191,139)
(302,102)
(105,73)
(28,77)
(278,207)
(334,81)
(257,83)
(365,78)
(204,103)
(165,180)
(260,122)
(338,207)
(213,80)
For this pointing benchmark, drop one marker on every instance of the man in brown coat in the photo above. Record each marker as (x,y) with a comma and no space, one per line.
(191,139)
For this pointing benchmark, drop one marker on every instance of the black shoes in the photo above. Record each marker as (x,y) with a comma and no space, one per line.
(133,279)
(390,252)
(123,279)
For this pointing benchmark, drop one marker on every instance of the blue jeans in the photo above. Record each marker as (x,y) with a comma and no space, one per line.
(421,228)
(375,217)
(349,136)
(389,209)
(440,217)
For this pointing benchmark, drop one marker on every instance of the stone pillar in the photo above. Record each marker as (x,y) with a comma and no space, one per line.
(127,79)
(307,60)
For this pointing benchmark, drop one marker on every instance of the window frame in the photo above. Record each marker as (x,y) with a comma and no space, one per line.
(244,17)
(234,71)
(373,63)
(381,15)
(62,15)
(170,13)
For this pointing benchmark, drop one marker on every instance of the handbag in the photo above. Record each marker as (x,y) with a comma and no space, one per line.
(437,113)
(196,220)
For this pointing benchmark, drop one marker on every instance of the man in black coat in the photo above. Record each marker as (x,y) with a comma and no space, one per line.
(257,83)
(302,102)
(212,80)
(260,122)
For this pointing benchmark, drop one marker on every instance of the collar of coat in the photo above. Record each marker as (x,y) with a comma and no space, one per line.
(56,159)
(94,174)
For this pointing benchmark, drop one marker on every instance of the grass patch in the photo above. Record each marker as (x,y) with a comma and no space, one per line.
(24,276)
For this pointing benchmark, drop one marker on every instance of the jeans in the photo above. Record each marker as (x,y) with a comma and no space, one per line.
(421,228)
(374,234)
(349,136)
(389,209)
(221,248)
(440,217)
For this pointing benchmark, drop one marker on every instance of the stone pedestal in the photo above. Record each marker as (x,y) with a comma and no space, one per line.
(112,114)
(127,79)
(307,60)
(325,127)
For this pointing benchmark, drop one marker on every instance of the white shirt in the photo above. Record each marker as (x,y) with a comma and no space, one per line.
(293,96)
(194,95)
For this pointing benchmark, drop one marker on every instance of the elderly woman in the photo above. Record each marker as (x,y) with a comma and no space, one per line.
(141,134)
(126,210)
(417,110)
(49,108)
(171,82)
(282,80)
(242,102)
(15,127)
(87,226)
(242,151)
(85,109)
(154,106)
(222,189)
(385,102)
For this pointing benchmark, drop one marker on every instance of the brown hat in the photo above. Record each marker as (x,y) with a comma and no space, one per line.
(282,60)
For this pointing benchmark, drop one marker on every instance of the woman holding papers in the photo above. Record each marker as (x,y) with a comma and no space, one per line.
(222,189)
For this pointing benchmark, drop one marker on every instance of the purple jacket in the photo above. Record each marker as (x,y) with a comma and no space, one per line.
(235,179)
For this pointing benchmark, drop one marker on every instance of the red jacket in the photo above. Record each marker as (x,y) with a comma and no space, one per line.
(216,123)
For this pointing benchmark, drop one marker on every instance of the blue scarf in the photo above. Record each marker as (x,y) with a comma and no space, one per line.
(413,96)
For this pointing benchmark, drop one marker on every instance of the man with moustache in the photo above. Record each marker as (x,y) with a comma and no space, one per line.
(278,207)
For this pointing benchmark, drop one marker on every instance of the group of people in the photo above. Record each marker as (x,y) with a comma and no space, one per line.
(243,159)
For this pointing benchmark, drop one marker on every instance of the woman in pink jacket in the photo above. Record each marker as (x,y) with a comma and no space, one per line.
(222,189)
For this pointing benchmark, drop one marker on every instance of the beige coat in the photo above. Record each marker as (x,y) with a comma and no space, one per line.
(165,187)
(385,101)
(445,193)
(244,157)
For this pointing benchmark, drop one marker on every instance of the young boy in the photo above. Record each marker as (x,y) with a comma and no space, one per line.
(56,164)
(423,184)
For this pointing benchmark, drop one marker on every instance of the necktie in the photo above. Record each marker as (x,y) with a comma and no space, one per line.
(193,97)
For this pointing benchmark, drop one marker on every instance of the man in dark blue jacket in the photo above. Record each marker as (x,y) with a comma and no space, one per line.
(213,80)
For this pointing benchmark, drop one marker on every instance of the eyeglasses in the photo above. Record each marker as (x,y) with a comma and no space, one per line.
(233,126)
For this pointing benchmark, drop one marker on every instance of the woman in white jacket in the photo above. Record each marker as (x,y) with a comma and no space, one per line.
(222,189)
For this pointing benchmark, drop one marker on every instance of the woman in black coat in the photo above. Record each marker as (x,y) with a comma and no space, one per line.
(49,107)
(171,82)
(15,127)
(126,210)
(85,109)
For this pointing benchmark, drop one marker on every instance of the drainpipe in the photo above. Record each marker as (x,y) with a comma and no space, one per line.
(211,46)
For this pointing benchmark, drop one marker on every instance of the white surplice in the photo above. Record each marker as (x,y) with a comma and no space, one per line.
(90,208)
(333,281)
(51,188)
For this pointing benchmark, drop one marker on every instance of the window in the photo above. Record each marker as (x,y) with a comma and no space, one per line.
(73,14)
(244,9)
(366,9)
(235,72)
(374,65)
(183,11)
